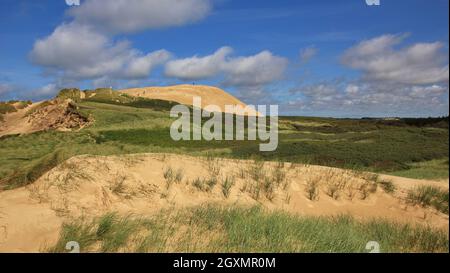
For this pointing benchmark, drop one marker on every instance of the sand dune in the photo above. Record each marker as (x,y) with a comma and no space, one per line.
(30,217)
(184,93)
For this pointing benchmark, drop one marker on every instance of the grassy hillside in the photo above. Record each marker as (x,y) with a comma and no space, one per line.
(128,125)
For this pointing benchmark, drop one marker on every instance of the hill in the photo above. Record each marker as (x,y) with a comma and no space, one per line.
(184,94)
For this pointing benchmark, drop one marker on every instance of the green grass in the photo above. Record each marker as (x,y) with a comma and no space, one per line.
(6,107)
(138,126)
(250,230)
(111,231)
(427,196)
(31,172)
(70,93)
(433,169)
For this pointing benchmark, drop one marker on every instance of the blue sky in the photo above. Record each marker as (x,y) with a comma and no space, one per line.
(319,58)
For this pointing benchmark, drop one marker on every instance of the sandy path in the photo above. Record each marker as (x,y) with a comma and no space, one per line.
(90,186)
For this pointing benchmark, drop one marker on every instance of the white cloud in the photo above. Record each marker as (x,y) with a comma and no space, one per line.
(307,54)
(78,52)
(125,16)
(427,91)
(195,68)
(84,48)
(255,70)
(259,69)
(421,63)
(352,89)
(140,67)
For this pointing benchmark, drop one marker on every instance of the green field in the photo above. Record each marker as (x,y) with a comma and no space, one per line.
(412,148)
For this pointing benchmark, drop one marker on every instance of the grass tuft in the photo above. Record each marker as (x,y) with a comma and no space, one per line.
(427,196)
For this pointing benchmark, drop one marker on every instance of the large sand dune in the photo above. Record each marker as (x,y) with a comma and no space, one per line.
(31,217)
(184,94)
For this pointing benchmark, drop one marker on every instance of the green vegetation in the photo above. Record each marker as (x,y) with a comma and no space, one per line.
(171,176)
(70,93)
(227,183)
(429,196)
(205,184)
(433,169)
(31,172)
(8,107)
(124,125)
(233,229)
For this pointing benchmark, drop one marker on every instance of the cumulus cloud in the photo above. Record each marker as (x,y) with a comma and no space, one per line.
(85,48)
(140,67)
(379,59)
(78,52)
(255,70)
(307,54)
(125,16)
(260,69)
(195,68)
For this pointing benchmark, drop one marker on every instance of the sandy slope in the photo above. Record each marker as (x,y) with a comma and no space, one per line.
(90,186)
(184,93)
(17,122)
(55,114)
